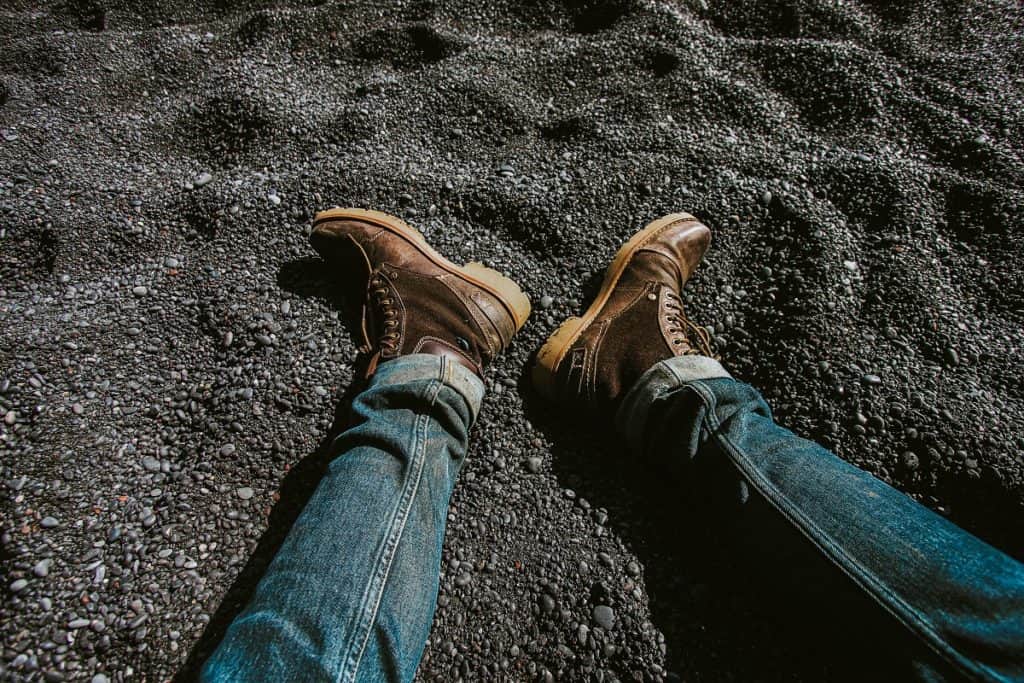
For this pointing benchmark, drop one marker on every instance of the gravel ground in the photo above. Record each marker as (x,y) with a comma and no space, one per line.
(172,354)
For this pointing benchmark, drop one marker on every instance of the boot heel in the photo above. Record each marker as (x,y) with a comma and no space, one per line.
(505,288)
(550,354)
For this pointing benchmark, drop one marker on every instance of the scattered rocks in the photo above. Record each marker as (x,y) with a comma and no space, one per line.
(171,333)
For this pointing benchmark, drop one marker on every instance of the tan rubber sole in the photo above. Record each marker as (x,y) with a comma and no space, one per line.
(505,290)
(558,344)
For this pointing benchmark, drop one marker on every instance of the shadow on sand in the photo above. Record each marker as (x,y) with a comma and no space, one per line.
(733,602)
(308,278)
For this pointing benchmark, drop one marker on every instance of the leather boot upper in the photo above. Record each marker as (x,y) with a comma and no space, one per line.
(410,304)
(641,323)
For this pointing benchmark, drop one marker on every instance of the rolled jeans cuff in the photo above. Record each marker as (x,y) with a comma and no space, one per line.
(425,366)
(663,378)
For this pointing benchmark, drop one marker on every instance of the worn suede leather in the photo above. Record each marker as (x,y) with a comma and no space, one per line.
(411,304)
(639,324)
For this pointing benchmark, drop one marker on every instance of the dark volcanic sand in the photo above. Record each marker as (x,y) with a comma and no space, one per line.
(172,354)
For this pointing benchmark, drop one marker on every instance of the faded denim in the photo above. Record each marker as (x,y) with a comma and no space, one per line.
(960,598)
(351,594)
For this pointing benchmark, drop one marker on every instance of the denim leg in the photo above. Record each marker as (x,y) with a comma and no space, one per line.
(350,595)
(959,597)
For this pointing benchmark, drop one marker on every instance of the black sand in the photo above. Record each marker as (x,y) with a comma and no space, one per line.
(171,353)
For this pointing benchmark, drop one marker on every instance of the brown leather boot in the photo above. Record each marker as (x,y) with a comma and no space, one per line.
(635,321)
(414,299)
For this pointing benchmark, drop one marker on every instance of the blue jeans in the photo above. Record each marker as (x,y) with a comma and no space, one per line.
(351,593)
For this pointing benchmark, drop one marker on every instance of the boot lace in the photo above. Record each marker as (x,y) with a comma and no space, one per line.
(684,330)
(385,305)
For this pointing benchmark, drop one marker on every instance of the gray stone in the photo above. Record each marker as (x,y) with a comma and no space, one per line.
(604,616)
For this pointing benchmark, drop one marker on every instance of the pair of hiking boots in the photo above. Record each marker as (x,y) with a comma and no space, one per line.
(416,301)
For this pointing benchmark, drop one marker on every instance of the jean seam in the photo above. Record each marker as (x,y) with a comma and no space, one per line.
(378,583)
(895,605)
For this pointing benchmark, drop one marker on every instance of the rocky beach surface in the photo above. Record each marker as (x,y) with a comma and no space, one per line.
(174,359)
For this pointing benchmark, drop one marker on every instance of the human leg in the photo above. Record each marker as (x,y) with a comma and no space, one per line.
(958,598)
(350,595)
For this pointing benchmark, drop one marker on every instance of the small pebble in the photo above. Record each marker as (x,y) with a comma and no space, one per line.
(910,460)
(604,616)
